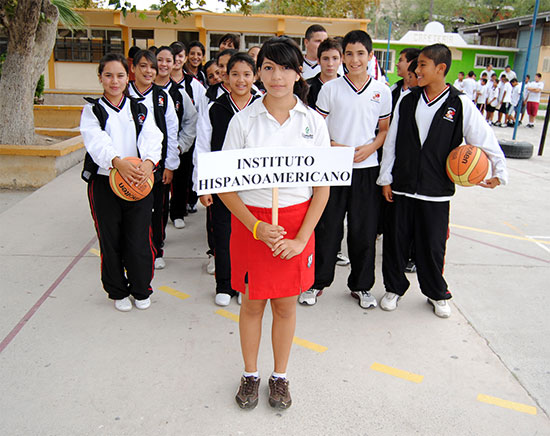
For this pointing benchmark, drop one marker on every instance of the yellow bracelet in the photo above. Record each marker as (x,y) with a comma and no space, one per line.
(256,228)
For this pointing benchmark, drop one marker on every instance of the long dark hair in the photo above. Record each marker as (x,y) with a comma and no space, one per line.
(110,57)
(284,51)
(149,56)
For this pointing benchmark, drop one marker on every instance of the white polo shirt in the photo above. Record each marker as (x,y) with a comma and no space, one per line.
(352,114)
(255,127)
(474,127)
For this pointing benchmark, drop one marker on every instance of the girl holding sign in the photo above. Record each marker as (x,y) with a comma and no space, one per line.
(270,261)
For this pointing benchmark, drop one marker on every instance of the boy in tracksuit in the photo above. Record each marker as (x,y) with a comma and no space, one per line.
(428,123)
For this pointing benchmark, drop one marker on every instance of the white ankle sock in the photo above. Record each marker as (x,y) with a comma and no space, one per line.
(278,375)
(251,374)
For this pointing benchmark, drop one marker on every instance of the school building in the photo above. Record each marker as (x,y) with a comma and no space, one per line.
(466,57)
(514,33)
(73,64)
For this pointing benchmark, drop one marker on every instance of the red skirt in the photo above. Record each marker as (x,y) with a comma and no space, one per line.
(268,276)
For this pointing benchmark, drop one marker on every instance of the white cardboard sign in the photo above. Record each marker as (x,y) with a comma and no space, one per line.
(256,168)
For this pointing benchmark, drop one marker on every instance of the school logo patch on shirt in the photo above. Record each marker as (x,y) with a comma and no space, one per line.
(177,106)
(376,97)
(307,133)
(161,101)
(310,260)
(450,114)
(141,118)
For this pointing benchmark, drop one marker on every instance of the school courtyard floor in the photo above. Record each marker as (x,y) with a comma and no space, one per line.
(70,364)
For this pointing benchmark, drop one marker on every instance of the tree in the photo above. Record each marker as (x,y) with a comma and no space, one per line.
(31,28)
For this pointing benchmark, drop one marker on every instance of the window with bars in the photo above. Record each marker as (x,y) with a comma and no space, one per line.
(87,45)
(498,62)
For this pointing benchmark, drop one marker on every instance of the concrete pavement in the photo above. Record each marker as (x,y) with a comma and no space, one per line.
(70,364)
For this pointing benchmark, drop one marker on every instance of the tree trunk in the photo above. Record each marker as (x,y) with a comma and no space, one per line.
(30,43)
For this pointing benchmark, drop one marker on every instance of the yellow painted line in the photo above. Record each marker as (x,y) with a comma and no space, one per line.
(524,408)
(405,375)
(95,251)
(309,345)
(173,292)
(506,235)
(298,341)
(530,238)
(228,315)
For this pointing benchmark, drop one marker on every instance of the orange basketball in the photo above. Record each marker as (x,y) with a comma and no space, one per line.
(467,165)
(125,190)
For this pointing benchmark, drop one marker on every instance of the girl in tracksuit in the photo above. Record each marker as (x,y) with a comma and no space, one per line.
(114,127)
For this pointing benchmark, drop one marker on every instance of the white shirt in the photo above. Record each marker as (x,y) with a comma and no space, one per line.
(481,92)
(475,129)
(119,136)
(506,93)
(510,75)
(469,87)
(199,91)
(459,85)
(312,68)
(492,95)
(516,91)
(254,126)
(172,161)
(489,74)
(188,130)
(535,96)
(203,144)
(352,114)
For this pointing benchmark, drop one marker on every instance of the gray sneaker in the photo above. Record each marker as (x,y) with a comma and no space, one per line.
(279,395)
(365,298)
(247,395)
(342,260)
(309,297)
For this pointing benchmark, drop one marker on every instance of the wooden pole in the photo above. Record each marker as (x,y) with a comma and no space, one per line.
(275,207)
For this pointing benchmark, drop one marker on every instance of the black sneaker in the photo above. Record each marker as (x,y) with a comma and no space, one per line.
(191,208)
(247,395)
(279,395)
(411,267)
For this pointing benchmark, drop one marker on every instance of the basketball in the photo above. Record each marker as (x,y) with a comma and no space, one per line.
(467,165)
(125,190)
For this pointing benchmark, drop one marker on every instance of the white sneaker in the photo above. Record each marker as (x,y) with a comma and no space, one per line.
(442,308)
(365,298)
(389,301)
(342,260)
(309,297)
(143,304)
(179,223)
(211,267)
(160,263)
(223,299)
(239,298)
(124,305)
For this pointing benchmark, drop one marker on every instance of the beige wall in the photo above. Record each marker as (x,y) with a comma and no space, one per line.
(165,36)
(544,53)
(80,76)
